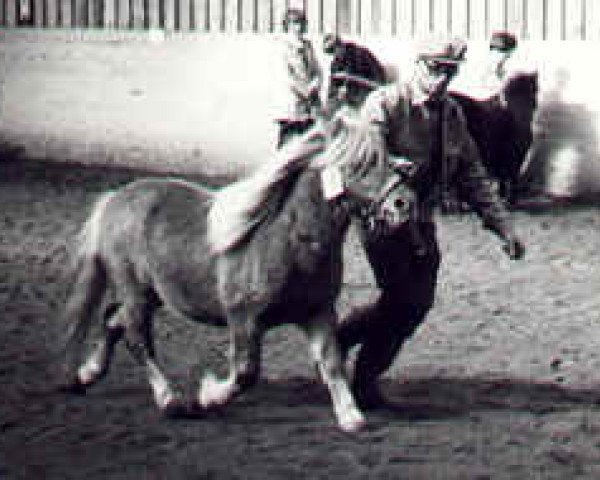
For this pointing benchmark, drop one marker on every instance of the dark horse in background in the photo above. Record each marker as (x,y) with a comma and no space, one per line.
(502,127)
(264,251)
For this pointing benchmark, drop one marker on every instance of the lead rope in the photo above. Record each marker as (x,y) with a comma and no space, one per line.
(441,153)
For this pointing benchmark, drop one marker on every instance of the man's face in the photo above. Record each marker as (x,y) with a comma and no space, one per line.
(330,44)
(433,77)
(295,27)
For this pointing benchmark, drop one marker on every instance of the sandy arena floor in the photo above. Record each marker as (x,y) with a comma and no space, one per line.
(501,382)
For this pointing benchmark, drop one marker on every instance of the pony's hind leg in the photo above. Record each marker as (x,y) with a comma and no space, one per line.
(87,292)
(244,363)
(326,353)
(134,317)
(97,362)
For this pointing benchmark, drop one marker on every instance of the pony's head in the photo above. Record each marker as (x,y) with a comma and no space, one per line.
(358,170)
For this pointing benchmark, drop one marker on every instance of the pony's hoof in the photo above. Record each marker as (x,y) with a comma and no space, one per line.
(354,425)
(73,387)
(213,393)
(195,410)
(174,408)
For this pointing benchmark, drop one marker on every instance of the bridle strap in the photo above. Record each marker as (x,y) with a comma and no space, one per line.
(392,183)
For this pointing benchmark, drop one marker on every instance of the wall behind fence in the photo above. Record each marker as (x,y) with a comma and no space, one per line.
(474,19)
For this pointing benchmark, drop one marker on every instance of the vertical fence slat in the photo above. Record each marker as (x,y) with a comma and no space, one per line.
(313,12)
(573,20)
(184,15)
(122,13)
(51,13)
(364,12)
(496,17)
(65,13)
(403,18)
(421,18)
(108,15)
(136,14)
(477,27)
(78,13)
(387,7)
(247,22)
(168,15)
(90,13)
(356,20)
(215,15)
(554,28)
(344,14)
(458,19)
(514,16)
(439,15)
(200,15)
(431,16)
(265,13)
(535,14)
(38,13)
(11,13)
(330,16)
(592,20)
(231,16)
(375,24)
(279,7)
(153,15)
(22,10)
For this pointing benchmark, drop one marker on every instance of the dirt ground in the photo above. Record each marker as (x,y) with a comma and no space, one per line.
(501,382)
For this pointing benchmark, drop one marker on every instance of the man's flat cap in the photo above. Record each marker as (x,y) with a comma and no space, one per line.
(447,52)
(503,41)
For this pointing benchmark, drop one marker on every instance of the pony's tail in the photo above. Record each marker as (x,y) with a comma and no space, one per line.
(89,280)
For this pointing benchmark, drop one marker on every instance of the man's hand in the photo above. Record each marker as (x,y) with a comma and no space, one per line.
(513,247)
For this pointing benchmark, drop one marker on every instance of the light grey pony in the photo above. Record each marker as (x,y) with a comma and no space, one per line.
(265,251)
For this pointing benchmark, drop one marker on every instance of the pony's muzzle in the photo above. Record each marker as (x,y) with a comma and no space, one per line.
(394,212)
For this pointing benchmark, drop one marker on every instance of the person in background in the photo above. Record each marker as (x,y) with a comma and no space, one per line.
(304,74)
(425,133)
(502,47)
(354,72)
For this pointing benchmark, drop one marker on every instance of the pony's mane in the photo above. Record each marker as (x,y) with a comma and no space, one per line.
(239,207)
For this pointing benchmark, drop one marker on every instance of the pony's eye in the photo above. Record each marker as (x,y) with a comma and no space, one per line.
(373,160)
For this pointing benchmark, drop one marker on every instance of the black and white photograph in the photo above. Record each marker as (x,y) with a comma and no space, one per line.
(299,239)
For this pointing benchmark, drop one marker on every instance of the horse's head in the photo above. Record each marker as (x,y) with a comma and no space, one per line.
(361,172)
(520,93)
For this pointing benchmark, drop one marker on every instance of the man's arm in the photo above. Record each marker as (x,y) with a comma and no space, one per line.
(476,187)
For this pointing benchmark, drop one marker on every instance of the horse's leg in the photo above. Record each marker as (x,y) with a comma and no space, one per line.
(97,362)
(87,293)
(244,362)
(324,347)
(135,318)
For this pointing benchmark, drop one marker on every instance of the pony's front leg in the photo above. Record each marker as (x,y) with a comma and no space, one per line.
(244,363)
(323,342)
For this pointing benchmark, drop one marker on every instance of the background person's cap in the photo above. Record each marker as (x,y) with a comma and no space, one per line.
(294,14)
(503,41)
